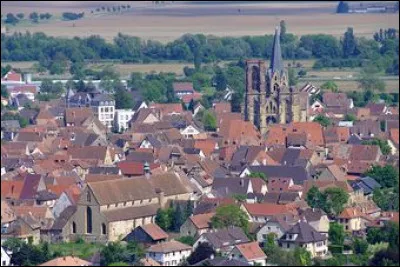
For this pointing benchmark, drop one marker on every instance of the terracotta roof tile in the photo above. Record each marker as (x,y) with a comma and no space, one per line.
(349,213)
(394,136)
(251,251)
(11,189)
(364,152)
(202,221)
(182,86)
(265,209)
(154,231)
(66,261)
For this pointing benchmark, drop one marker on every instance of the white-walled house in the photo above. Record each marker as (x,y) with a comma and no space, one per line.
(122,117)
(190,131)
(5,257)
(170,253)
(104,107)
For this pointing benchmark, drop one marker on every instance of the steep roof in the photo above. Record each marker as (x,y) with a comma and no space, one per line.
(276,64)
(66,261)
(306,233)
(154,231)
(251,251)
(202,221)
(297,173)
(130,213)
(226,237)
(349,213)
(265,209)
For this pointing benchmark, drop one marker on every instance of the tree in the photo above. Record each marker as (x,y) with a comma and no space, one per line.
(164,218)
(178,219)
(292,77)
(302,73)
(20,15)
(350,117)
(209,121)
(315,199)
(188,240)
(336,200)
(46,86)
(342,7)
(360,246)
(323,120)
(188,209)
(11,19)
(386,176)
(282,25)
(386,199)
(230,215)
(114,252)
(330,85)
(220,80)
(123,99)
(369,81)
(302,256)
(336,234)
(202,252)
(4,91)
(34,17)
(349,44)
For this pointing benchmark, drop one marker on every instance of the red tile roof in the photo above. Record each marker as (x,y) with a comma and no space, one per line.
(11,189)
(202,221)
(350,213)
(251,251)
(67,261)
(154,231)
(23,89)
(12,76)
(394,135)
(195,97)
(182,86)
(265,209)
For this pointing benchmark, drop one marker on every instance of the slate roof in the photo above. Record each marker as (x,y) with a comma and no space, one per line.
(65,215)
(228,187)
(103,170)
(276,63)
(130,213)
(10,125)
(226,237)
(312,215)
(297,173)
(221,261)
(306,233)
(367,184)
(31,183)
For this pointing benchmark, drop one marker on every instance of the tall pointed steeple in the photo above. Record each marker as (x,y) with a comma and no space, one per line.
(276,64)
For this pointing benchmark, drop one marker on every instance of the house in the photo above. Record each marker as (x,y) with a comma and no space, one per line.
(277,225)
(317,218)
(304,235)
(9,129)
(221,261)
(351,219)
(148,234)
(262,212)
(196,225)
(103,107)
(332,173)
(338,103)
(190,131)
(183,88)
(5,257)
(298,173)
(100,154)
(67,261)
(252,156)
(122,117)
(28,90)
(223,240)
(12,78)
(370,153)
(366,185)
(170,253)
(239,186)
(250,253)
(366,129)
(79,99)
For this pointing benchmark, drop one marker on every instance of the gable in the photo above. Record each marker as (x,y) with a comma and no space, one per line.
(150,119)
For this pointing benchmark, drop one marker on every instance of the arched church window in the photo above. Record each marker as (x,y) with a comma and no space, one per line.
(255,76)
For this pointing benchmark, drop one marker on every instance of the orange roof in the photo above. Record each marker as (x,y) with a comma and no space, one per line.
(312,129)
(23,89)
(343,133)
(207,146)
(11,189)
(12,76)
(276,135)
(37,212)
(154,231)
(265,209)
(57,189)
(201,221)
(195,96)
(168,108)
(392,215)
(67,261)
(251,251)
(394,135)
(239,131)
(350,213)
(149,262)
(222,107)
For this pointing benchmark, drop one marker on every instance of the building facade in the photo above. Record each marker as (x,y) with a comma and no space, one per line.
(269,99)
(122,117)
(103,108)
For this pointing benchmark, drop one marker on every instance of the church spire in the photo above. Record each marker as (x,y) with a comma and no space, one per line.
(276,58)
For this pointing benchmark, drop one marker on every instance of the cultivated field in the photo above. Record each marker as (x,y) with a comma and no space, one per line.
(170,21)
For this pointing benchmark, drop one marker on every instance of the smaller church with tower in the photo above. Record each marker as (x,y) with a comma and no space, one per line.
(269,98)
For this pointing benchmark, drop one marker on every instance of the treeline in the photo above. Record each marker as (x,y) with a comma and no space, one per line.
(72,16)
(34,17)
(349,51)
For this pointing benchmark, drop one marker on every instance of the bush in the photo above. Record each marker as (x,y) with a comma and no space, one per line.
(335,249)
(72,16)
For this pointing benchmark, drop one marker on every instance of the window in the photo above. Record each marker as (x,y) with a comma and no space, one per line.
(89,220)
(88,197)
(269,228)
(103,229)
(73,227)
(288,245)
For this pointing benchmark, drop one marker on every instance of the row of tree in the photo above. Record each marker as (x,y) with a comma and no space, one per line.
(34,17)
(199,48)
(112,9)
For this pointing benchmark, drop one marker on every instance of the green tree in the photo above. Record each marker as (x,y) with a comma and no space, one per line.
(323,120)
(360,246)
(209,121)
(302,256)
(220,80)
(282,25)
(349,44)
(202,252)
(4,91)
(200,80)
(46,86)
(164,218)
(230,215)
(302,73)
(386,176)
(114,252)
(34,17)
(123,99)
(292,77)
(178,218)
(330,85)
(336,199)
(369,81)
(386,199)
(20,15)
(188,240)
(11,19)
(315,199)
(336,234)
(188,209)
(350,117)
(342,7)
